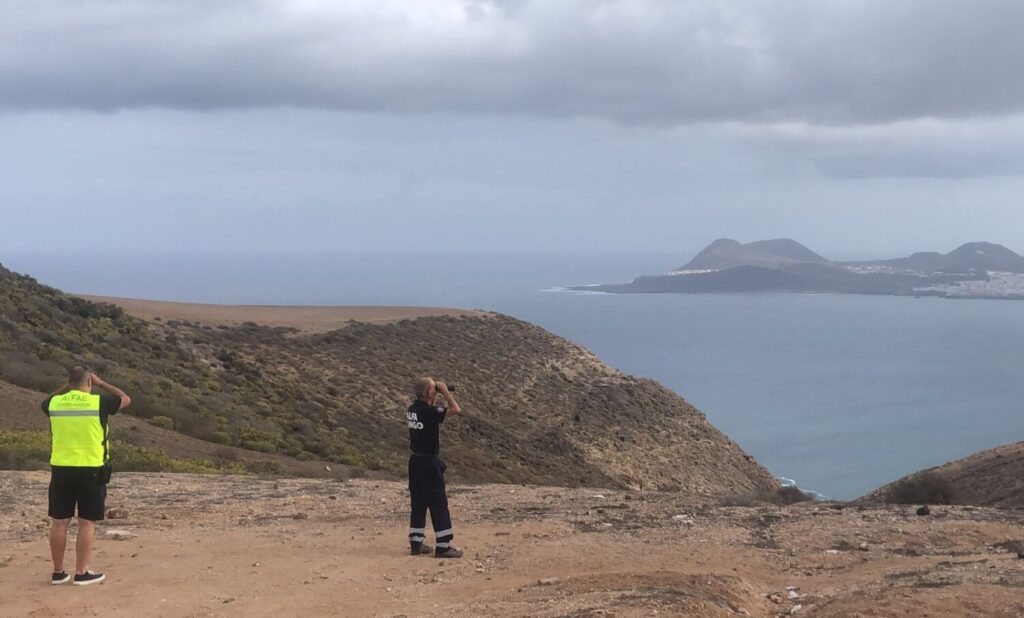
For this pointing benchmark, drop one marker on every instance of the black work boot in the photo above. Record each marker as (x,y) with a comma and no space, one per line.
(419,549)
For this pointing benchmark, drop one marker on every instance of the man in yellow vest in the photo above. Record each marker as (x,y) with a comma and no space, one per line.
(80,468)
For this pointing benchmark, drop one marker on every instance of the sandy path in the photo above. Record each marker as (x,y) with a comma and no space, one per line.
(239,546)
(306,319)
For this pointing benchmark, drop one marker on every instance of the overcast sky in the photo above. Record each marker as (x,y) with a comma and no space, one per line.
(859,128)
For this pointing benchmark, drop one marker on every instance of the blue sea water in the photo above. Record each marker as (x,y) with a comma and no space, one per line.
(840,393)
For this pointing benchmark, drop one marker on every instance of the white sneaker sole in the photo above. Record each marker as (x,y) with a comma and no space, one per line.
(63,581)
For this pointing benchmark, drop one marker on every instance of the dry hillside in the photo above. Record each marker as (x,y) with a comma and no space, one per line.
(993,477)
(539,409)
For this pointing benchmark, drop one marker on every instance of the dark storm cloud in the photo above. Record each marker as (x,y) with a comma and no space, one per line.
(666,62)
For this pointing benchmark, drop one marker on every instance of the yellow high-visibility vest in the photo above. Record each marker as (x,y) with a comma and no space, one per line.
(79,438)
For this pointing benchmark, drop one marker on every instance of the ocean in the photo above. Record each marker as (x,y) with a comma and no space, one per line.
(838,393)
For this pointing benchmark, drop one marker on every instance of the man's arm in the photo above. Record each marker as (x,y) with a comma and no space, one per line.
(453,406)
(113,390)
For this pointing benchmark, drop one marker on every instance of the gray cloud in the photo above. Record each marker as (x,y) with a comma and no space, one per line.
(927,148)
(659,62)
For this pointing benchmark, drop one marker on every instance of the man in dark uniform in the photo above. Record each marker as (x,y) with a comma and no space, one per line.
(80,469)
(426,470)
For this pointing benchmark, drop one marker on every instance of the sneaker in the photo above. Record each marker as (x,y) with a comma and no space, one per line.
(448,552)
(420,549)
(88,578)
(59,577)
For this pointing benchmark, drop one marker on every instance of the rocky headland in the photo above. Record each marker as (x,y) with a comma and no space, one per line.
(973,270)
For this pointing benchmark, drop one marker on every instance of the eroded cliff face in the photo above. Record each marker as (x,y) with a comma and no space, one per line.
(538,408)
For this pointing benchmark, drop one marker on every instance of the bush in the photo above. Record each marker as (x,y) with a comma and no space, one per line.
(164,422)
(24,450)
(789,494)
(923,488)
(261,446)
(30,450)
(220,437)
(129,458)
(264,467)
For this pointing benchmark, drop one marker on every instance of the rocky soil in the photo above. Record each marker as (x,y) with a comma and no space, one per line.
(182,545)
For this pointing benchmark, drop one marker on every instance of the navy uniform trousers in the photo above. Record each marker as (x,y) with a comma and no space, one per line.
(426,488)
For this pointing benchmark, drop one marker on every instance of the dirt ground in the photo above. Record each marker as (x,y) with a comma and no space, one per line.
(245,546)
(306,319)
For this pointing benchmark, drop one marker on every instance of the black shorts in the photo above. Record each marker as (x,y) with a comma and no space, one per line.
(84,487)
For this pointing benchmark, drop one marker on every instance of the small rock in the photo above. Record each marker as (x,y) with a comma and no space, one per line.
(116,513)
(229,600)
(328,468)
(502,533)
(598,496)
(863,547)
(924,510)
(547,581)
(118,535)
(795,609)
(255,564)
(792,594)
(332,497)
(774,598)
(300,516)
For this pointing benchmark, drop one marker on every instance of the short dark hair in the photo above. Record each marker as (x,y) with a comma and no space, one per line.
(422,387)
(78,374)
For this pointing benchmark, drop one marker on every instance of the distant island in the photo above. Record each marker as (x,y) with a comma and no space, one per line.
(974,270)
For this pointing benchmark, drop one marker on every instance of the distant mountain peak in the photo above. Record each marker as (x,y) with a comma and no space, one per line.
(971,256)
(728,253)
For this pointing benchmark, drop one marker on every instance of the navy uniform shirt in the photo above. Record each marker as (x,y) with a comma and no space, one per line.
(423,420)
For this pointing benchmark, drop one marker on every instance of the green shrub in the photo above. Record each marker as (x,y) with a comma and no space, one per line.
(923,488)
(24,450)
(30,450)
(264,467)
(164,422)
(258,445)
(789,494)
(130,458)
(220,437)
